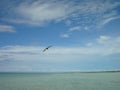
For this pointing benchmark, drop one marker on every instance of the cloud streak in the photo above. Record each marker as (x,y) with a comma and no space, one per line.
(31,58)
(107,20)
(65,35)
(104,45)
(41,12)
(76,28)
(7,28)
(90,14)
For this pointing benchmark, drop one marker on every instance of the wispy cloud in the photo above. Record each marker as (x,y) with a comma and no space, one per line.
(76,28)
(65,35)
(31,58)
(104,45)
(41,12)
(7,28)
(104,39)
(35,53)
(89,44)
(106,21)
(95,14)
(81,13)
(110,44)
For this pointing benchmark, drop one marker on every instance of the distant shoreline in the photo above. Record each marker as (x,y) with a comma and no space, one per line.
(94,71)
(109,71)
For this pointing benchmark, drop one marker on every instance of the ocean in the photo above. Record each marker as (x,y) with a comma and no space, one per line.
(60,81)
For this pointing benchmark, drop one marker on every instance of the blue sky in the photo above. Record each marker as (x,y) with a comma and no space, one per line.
(84,33)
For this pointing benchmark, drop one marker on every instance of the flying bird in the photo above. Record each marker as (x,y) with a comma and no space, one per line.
(47,48)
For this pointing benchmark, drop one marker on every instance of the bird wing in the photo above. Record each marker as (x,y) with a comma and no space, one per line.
(49,46)
(46,48)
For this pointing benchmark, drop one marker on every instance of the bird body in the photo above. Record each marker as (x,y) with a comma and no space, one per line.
(47,48)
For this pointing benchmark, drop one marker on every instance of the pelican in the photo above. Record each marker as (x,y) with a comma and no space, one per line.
(47,48)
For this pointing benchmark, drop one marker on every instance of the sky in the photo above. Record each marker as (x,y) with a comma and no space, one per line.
(84,34)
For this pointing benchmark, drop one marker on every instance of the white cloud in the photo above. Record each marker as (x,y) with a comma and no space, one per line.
(86,28)
(104,45)
(89,44)
(31,58)
(96,14)
(35,53)
(107,20)
(68,22)
(7,28)
(86,14)
(42,12)
(103,39)
(111,43)
(76,28)
(65,35)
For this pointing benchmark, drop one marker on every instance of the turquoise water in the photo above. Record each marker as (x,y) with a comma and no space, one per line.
(60,81)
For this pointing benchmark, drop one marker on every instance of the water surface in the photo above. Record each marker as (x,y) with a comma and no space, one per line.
(60,81)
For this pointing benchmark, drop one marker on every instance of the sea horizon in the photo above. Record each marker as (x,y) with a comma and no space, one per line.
(89,71)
